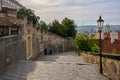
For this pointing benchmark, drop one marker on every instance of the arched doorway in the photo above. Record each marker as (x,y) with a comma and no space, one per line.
(29,47)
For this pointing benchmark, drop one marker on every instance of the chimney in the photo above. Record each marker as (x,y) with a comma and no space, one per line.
(113,36)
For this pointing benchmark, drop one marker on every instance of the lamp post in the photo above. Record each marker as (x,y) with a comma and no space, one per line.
(100,22)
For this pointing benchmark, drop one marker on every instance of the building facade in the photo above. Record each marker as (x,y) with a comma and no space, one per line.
(110,42)
(21,40)
(13,4)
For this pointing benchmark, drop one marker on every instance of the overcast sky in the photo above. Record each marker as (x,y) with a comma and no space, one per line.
(82,11)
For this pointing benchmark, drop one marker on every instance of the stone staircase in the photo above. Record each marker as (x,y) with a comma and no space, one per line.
(64,66)
(19,71)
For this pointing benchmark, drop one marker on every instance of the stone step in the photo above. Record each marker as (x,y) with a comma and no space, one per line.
(19,69)
(53,67)
(5,77)
(18,73)
(12,76)
(26,66)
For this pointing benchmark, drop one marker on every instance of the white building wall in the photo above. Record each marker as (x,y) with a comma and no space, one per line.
(113,36)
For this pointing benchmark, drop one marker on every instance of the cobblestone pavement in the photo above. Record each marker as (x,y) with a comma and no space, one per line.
(63,66)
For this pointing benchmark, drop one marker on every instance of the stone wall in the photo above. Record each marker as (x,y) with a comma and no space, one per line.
(111,64)
(11,50)
(29,42)
(36,41)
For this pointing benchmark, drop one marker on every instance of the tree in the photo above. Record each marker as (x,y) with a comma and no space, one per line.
(54,26)
(57,28)
(42,25)
(65,29)
(70,27)
(29,14)
(107,28)
(85,43)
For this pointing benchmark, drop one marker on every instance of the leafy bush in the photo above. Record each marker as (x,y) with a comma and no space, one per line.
(29,14)
(85,43)
(113,51)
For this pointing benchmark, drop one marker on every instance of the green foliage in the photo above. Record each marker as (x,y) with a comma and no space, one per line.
(65,29)
(57,28)
(70,27)
(85,43)
(114,51)
(42,25)
(95,48)
(29,14)
(107,27)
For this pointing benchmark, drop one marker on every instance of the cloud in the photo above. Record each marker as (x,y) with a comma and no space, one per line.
(86,11)
(44,3)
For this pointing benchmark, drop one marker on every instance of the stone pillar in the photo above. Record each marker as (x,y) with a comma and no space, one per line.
(0,5)
(63,46)
(9,30)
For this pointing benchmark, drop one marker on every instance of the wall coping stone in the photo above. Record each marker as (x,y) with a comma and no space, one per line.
(105,55)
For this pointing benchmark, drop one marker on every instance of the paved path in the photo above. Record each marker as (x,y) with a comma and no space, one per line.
(63,66)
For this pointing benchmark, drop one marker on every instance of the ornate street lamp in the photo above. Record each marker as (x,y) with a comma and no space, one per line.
(100,26)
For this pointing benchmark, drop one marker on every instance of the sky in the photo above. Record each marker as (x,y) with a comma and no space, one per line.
(83,12)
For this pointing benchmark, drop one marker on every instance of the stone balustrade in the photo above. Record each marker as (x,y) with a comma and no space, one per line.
(11,51)
(111,63)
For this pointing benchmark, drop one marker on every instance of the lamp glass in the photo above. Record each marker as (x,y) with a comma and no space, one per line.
(100,22)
